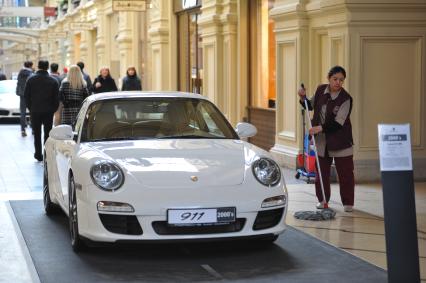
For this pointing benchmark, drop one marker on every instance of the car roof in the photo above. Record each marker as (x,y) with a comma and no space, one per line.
(139,94)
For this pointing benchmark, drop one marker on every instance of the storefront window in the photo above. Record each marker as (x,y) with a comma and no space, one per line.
(184,5)
(190,58)
(262,54)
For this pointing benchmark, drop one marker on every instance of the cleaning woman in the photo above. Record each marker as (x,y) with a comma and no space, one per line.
(331,126)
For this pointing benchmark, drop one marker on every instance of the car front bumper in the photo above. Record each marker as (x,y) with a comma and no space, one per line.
(149,221)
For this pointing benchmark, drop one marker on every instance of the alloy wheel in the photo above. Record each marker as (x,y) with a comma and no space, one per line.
(73,216)
(46,197)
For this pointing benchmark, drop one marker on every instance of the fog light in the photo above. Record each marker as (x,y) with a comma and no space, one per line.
(274,201)
(113,206)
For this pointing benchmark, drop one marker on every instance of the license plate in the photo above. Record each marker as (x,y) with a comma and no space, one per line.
(201,216)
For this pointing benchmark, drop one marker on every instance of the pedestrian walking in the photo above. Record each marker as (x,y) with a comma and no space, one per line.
(42,99)
(54,72)
(331,125)
(85,76)
(23,75)
(131,81)
(57,76)
(72,92)
(104,82)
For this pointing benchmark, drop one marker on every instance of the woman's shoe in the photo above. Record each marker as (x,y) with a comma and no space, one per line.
(348,208)
(320,205)
(23,133)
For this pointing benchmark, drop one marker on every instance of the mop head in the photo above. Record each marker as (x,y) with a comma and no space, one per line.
(323,214)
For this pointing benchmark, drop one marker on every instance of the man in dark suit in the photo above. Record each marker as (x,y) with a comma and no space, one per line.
(42,99)
(23,75)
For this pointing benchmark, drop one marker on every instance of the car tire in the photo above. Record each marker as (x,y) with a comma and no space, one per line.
(50,208)
(76,242)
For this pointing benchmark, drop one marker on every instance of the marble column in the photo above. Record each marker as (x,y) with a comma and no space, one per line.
(210,26)
(163,49)
(292,68)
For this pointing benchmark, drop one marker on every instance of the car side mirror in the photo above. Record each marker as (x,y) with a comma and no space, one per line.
(62,132)
(245,130)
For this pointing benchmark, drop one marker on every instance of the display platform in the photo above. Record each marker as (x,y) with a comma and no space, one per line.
(295,257)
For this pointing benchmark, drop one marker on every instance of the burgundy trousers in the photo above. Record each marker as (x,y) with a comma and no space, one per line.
(345,171)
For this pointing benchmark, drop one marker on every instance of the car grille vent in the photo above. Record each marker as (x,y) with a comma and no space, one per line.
(163,228)
(268,218)
(121,224)
(4,112)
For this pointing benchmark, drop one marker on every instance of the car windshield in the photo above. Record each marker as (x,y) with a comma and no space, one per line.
(8,86)
(155,118)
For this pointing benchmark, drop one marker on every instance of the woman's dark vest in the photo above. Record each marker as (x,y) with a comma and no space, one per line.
(342,138)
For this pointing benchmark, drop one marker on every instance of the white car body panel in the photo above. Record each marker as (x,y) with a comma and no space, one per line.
(167,163)
(9,101)
(157,177)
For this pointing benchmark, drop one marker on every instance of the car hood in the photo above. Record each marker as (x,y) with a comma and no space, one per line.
(179,163)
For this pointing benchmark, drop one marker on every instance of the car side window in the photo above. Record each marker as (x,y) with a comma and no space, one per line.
(80,118)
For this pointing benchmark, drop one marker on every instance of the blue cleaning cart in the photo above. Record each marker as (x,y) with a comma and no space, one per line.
(306,160)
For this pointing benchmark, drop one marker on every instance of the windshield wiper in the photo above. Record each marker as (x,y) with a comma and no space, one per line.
(118,139)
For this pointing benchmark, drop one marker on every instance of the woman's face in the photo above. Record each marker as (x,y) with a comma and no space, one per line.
(336,82)
(104,72)
(131,72)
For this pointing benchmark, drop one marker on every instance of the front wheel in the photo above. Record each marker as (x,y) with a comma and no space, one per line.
(76,242)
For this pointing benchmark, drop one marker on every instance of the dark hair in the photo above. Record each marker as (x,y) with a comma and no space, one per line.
(43,65)
(336,70)
(54,67)
(131,68)
(81,65)
(28,64)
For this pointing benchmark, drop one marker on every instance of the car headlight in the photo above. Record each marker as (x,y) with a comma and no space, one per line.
(266,171)
(107,175)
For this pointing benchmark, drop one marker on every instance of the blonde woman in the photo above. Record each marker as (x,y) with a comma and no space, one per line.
(72,92)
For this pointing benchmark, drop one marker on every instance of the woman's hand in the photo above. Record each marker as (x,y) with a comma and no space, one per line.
(98,85)
(315,130)
(302,93)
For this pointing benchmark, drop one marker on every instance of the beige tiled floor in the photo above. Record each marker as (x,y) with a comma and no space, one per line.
(362,231)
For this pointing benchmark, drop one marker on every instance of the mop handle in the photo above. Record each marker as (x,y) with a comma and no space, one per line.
(316,153)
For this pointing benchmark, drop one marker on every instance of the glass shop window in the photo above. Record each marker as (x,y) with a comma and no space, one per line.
(262,54)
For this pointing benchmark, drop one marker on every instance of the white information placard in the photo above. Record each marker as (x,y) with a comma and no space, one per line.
(395,147)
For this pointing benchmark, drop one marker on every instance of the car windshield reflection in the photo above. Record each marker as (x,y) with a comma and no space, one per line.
(155,118)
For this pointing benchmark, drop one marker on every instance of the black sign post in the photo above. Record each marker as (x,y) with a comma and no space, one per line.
(399,203)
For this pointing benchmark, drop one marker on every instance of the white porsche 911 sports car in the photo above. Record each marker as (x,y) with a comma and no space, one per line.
(160,166)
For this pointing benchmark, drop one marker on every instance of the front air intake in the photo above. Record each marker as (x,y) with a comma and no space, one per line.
(268,218)
(121,224)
